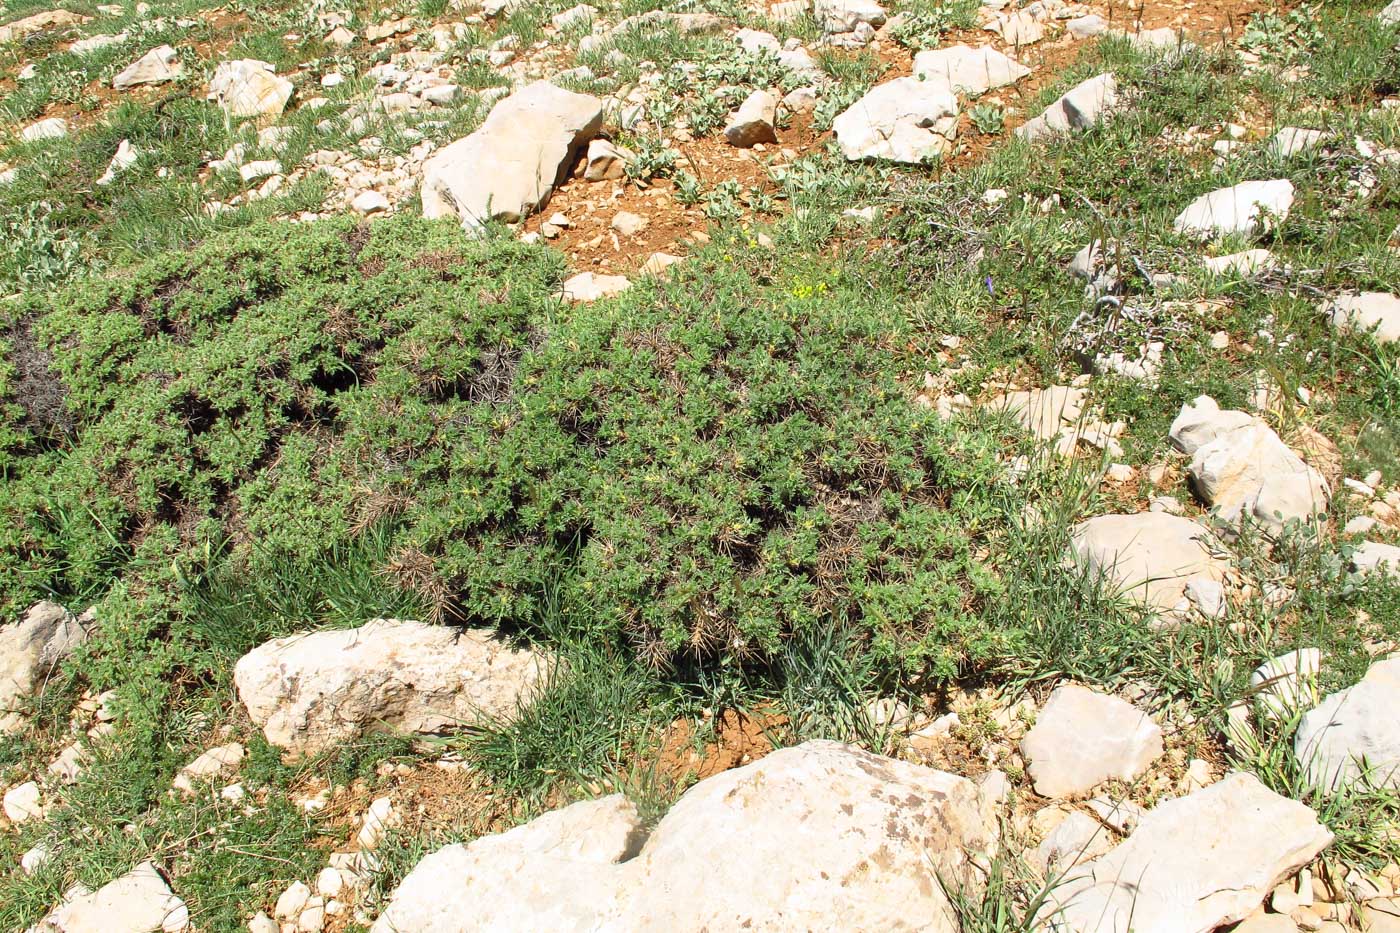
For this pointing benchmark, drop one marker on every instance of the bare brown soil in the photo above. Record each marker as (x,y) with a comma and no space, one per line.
(688,754)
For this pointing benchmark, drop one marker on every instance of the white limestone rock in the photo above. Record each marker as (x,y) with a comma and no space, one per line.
(628,224)
(1376,313)
(1373,557)
(838,16)
(249,88)
(590,286)
(904,120)
(1154,558)
(510,166)
(1247,208)
(557,872)
(756,40)
(1353,735)
(138,902)
(1077,839)
(606,161)
(1018,28)
(829,831)
(1082,738)
(1293,140)
(754,122)
(658,263)
(370,202)
(573,16)
(93,43)
(214,763)
(69,763)
(24,802)
(1194,864)
(1240,467)
(1242,264)
(40,22)
(124,158)
(440,94)
(966,70)
(800,100)
(1287,684)
(311,692)
(1047,413)
(30,653)
(52,128)
(1083,106)
(159,65)
(1087,26)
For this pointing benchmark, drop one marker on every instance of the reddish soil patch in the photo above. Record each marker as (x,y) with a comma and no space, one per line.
(592,245)
(738,738)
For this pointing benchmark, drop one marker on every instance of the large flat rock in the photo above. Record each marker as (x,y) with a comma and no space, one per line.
(310,692)
(1376,313)
(40,22)
(1152,557)
(1082,738)
(138,902)
(1047,413)
(1354,734)
(159,65)
(821,836)
(557,872)
(1247,208)
(510,166)
(1081,107)
(817,832)
(1195,863)
(963,69)
(904,120)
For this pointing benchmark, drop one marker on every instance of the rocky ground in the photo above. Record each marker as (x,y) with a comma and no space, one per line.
(1079,608)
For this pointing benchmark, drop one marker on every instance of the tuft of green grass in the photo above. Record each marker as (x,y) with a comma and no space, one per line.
(597,707)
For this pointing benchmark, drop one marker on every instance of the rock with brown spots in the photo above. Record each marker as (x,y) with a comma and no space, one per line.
(606,161)
(821,836)
(753,122)
(828,831)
